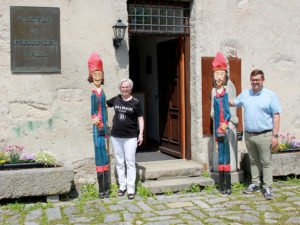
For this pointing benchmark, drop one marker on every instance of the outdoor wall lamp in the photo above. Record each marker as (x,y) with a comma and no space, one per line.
(119,32)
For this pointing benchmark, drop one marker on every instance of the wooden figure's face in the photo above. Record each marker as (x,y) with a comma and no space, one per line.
(219,77)
(97,77)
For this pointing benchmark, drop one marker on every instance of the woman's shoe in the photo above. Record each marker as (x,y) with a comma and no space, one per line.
(131,196)
(121,193)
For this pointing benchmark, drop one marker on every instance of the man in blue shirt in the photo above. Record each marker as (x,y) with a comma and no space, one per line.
(262,120)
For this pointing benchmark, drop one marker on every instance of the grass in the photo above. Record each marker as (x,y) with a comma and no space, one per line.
(210,189)
(90,192)
(114,190)
(195,188)
(237,188)
(205,174)
(294,180)
(168,192)
(144,192)
(19,207)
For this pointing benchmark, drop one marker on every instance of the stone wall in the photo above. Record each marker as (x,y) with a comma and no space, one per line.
(51,111)
(265,35)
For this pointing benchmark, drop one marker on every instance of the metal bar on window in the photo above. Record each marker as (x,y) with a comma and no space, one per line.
(158,19)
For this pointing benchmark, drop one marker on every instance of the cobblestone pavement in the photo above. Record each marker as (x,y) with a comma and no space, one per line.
(185,208)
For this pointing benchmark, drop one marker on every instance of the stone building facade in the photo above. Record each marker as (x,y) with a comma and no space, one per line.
(52,111)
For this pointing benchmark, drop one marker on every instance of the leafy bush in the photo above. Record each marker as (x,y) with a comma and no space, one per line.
(45,157)
(195,188)
(89,191)
(143,191)
(4,157)
(286,141)
(14,152)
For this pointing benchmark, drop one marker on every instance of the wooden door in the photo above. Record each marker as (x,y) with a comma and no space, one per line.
(207,84)
(170,107)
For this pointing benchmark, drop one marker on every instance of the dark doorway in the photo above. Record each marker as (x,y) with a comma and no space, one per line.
(159,58)
(169,99)
(157,68)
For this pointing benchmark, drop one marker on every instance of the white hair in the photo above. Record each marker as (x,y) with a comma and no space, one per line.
(130,82)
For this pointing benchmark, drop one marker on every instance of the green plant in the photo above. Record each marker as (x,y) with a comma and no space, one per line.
(205,174)
(195,188)
(293,180)
(19,207)
(210,189)
(46,158)
(290,180)
(28,158)
(114,190)
(143,191)
(168,192)
(3,157)
(89,192)
(286,141)
(14,152)
(238,187)
(184,191)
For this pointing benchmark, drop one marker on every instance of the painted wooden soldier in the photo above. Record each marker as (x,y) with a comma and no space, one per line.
(99,118)
(220,112)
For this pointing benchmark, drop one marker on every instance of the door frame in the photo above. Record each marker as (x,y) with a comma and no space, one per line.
(185,44)
(185,121)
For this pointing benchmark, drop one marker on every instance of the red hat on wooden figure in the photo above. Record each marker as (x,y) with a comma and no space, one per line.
(219,62)
(95,62)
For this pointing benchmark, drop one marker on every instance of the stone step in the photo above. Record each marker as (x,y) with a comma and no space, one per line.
(176,184)
(168,169)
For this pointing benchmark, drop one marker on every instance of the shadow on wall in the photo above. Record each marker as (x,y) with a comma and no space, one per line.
(210,152)
(122,55)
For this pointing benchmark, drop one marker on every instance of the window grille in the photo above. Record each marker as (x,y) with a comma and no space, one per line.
(158,19)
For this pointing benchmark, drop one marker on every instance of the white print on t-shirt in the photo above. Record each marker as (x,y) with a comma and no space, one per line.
(123,108)
(122,116)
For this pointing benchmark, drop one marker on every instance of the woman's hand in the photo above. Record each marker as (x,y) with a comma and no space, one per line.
(140,139)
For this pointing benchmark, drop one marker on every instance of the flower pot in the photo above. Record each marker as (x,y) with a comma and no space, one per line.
(12,166)
(287,150)
(286,163)
(16,182)
(283,164)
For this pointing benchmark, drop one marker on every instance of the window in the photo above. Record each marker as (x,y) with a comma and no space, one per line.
(172,19)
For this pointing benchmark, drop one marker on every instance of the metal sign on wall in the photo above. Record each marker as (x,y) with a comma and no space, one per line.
(35,39)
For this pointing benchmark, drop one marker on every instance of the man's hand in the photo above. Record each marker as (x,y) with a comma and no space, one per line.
(231,102)
(274,143)
(224,126)
(96,121)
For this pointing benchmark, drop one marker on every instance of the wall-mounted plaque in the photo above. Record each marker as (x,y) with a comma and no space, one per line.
(35,39)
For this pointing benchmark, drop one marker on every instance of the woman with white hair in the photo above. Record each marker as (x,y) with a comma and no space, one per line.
(126,134)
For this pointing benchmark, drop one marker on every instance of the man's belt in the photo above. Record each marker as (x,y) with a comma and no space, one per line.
(257,133)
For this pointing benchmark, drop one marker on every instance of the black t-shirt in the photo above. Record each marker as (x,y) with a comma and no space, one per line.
(125,122)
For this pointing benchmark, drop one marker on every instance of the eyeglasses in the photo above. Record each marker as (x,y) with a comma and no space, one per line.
(256,80)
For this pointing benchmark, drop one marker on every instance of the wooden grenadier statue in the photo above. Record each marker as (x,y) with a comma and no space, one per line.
(220,112)
(99,119)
